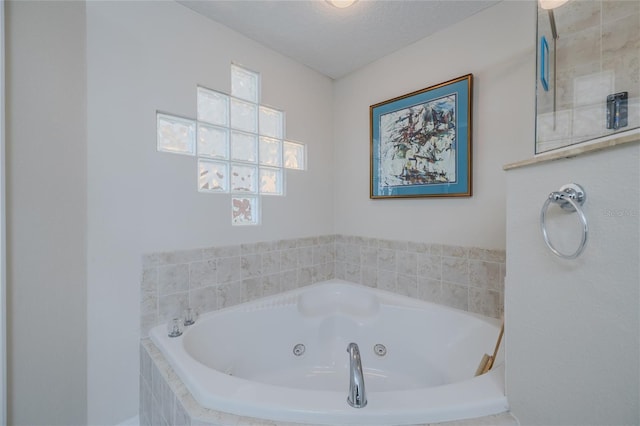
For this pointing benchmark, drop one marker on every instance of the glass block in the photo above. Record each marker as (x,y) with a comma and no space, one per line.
(244,115)
(270,152)
(244,178)
(271,182)
(244,147)
(175,134)
(213,107)
(213,141)
(245,84)
(245,210)
(271,122)
(294,155)
(213,176)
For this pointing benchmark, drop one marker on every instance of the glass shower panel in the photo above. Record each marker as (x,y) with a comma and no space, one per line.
(588,56)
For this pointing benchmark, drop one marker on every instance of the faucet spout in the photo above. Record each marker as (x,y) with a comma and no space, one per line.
(357,397)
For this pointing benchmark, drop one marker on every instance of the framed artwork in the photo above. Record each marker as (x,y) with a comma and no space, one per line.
(421,142)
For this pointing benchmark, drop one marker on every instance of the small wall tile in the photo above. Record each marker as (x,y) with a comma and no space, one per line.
(369,257)
(172,305)
(429,266)
(353,272)
(203,273)
(484,274)
(305,256)
(387,280)
(369,277)
(230,294)
(387,259)
(253,288)
(429,290)
(485,302)
(173,279)
(271,284)
(407,263)
(455,296)
(455,270)
(251,265)
(271,262)
(229,269)
(407,285)
(204,299)
(289,259)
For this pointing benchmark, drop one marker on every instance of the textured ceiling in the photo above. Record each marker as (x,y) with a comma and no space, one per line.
(336,41)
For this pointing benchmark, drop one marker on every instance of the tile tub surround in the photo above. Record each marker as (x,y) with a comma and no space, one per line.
(467,278)
(207,279)
(165,400)
(213,278)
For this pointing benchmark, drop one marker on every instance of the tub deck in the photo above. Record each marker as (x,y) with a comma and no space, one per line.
(165,400)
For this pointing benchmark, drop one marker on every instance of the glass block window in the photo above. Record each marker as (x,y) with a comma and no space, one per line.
(271,181)
(244,116)
(294,156)
(240,145)
(271,122)
(270,151)
(175,134)
(213,176)
(244,178)
(213,141)
(245,211)
(245,84)
(244,146)
(213,107)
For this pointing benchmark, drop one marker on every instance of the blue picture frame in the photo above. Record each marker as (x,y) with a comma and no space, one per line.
(544,63)
(421,142)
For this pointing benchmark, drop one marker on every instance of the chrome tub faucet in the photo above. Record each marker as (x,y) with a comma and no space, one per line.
(357,397)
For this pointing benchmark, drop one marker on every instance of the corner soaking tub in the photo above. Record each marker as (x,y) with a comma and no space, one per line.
(284,358)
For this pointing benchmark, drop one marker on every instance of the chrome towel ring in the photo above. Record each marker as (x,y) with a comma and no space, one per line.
(570,197)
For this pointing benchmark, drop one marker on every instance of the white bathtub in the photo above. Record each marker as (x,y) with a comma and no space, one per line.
(241,359)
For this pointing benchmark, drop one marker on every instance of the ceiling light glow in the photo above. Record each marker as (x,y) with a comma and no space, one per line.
(341,3)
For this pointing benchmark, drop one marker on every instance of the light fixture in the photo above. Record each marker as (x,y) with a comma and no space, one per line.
(551,4)
(341,4)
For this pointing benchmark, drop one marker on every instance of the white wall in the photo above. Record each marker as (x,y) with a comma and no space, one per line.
(498,47)
(3,240)
(573,327)
(46,212)
(148,56)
